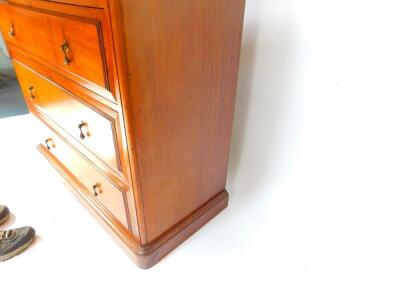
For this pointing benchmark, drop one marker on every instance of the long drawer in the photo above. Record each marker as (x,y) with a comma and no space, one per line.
(84,177)
(92,128)
(72,45)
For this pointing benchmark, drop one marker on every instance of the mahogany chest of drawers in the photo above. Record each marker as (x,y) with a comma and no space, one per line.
(136,98)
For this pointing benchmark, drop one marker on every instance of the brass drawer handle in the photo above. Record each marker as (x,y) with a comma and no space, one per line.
(11,32)
(31,94)
(81,126)
(97,189)
(50,143)
(66,50)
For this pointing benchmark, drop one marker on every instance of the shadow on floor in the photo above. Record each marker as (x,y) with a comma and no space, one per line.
(11,99)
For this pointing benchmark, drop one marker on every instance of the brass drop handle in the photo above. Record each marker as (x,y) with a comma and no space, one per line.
(97,189)
(11,32)
(81,126)
(50,144)
(66,50)
(31,89)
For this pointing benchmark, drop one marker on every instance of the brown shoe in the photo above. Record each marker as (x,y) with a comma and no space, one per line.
(15,241)
(4,214)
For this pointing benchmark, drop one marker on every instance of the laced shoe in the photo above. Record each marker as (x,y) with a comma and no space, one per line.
(15,241)
(4,214)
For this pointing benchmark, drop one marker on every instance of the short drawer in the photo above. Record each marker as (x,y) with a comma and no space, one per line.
(89,126)
(71,44)
(84,177)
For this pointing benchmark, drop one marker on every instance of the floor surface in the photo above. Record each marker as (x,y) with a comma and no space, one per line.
(11,99)
(302,235)
(73,256)
(313,176)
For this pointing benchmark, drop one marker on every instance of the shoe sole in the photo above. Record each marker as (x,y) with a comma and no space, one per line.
(16,251)
(2,221)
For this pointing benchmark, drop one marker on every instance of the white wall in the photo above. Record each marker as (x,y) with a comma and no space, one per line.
(315,163)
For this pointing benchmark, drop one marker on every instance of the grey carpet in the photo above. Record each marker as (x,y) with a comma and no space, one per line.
(11,99)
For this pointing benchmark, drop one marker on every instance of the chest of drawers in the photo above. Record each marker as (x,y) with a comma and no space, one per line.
(136,99)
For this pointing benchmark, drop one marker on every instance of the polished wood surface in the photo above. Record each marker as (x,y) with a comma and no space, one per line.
(86,125)
(100,188)
(140,96)
(41,28)
(85,3)
(43,35)
(185,55)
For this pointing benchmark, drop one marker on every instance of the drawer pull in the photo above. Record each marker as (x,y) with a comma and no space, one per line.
(31,94)
(11,32)
(97,189)
(50,144)
(83,125)
(66,50)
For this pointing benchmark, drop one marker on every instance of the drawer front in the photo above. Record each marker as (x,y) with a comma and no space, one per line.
(88,178)
(30,28)
(72,45)
(93,129)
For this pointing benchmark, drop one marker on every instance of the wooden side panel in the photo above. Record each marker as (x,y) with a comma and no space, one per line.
(182,63)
